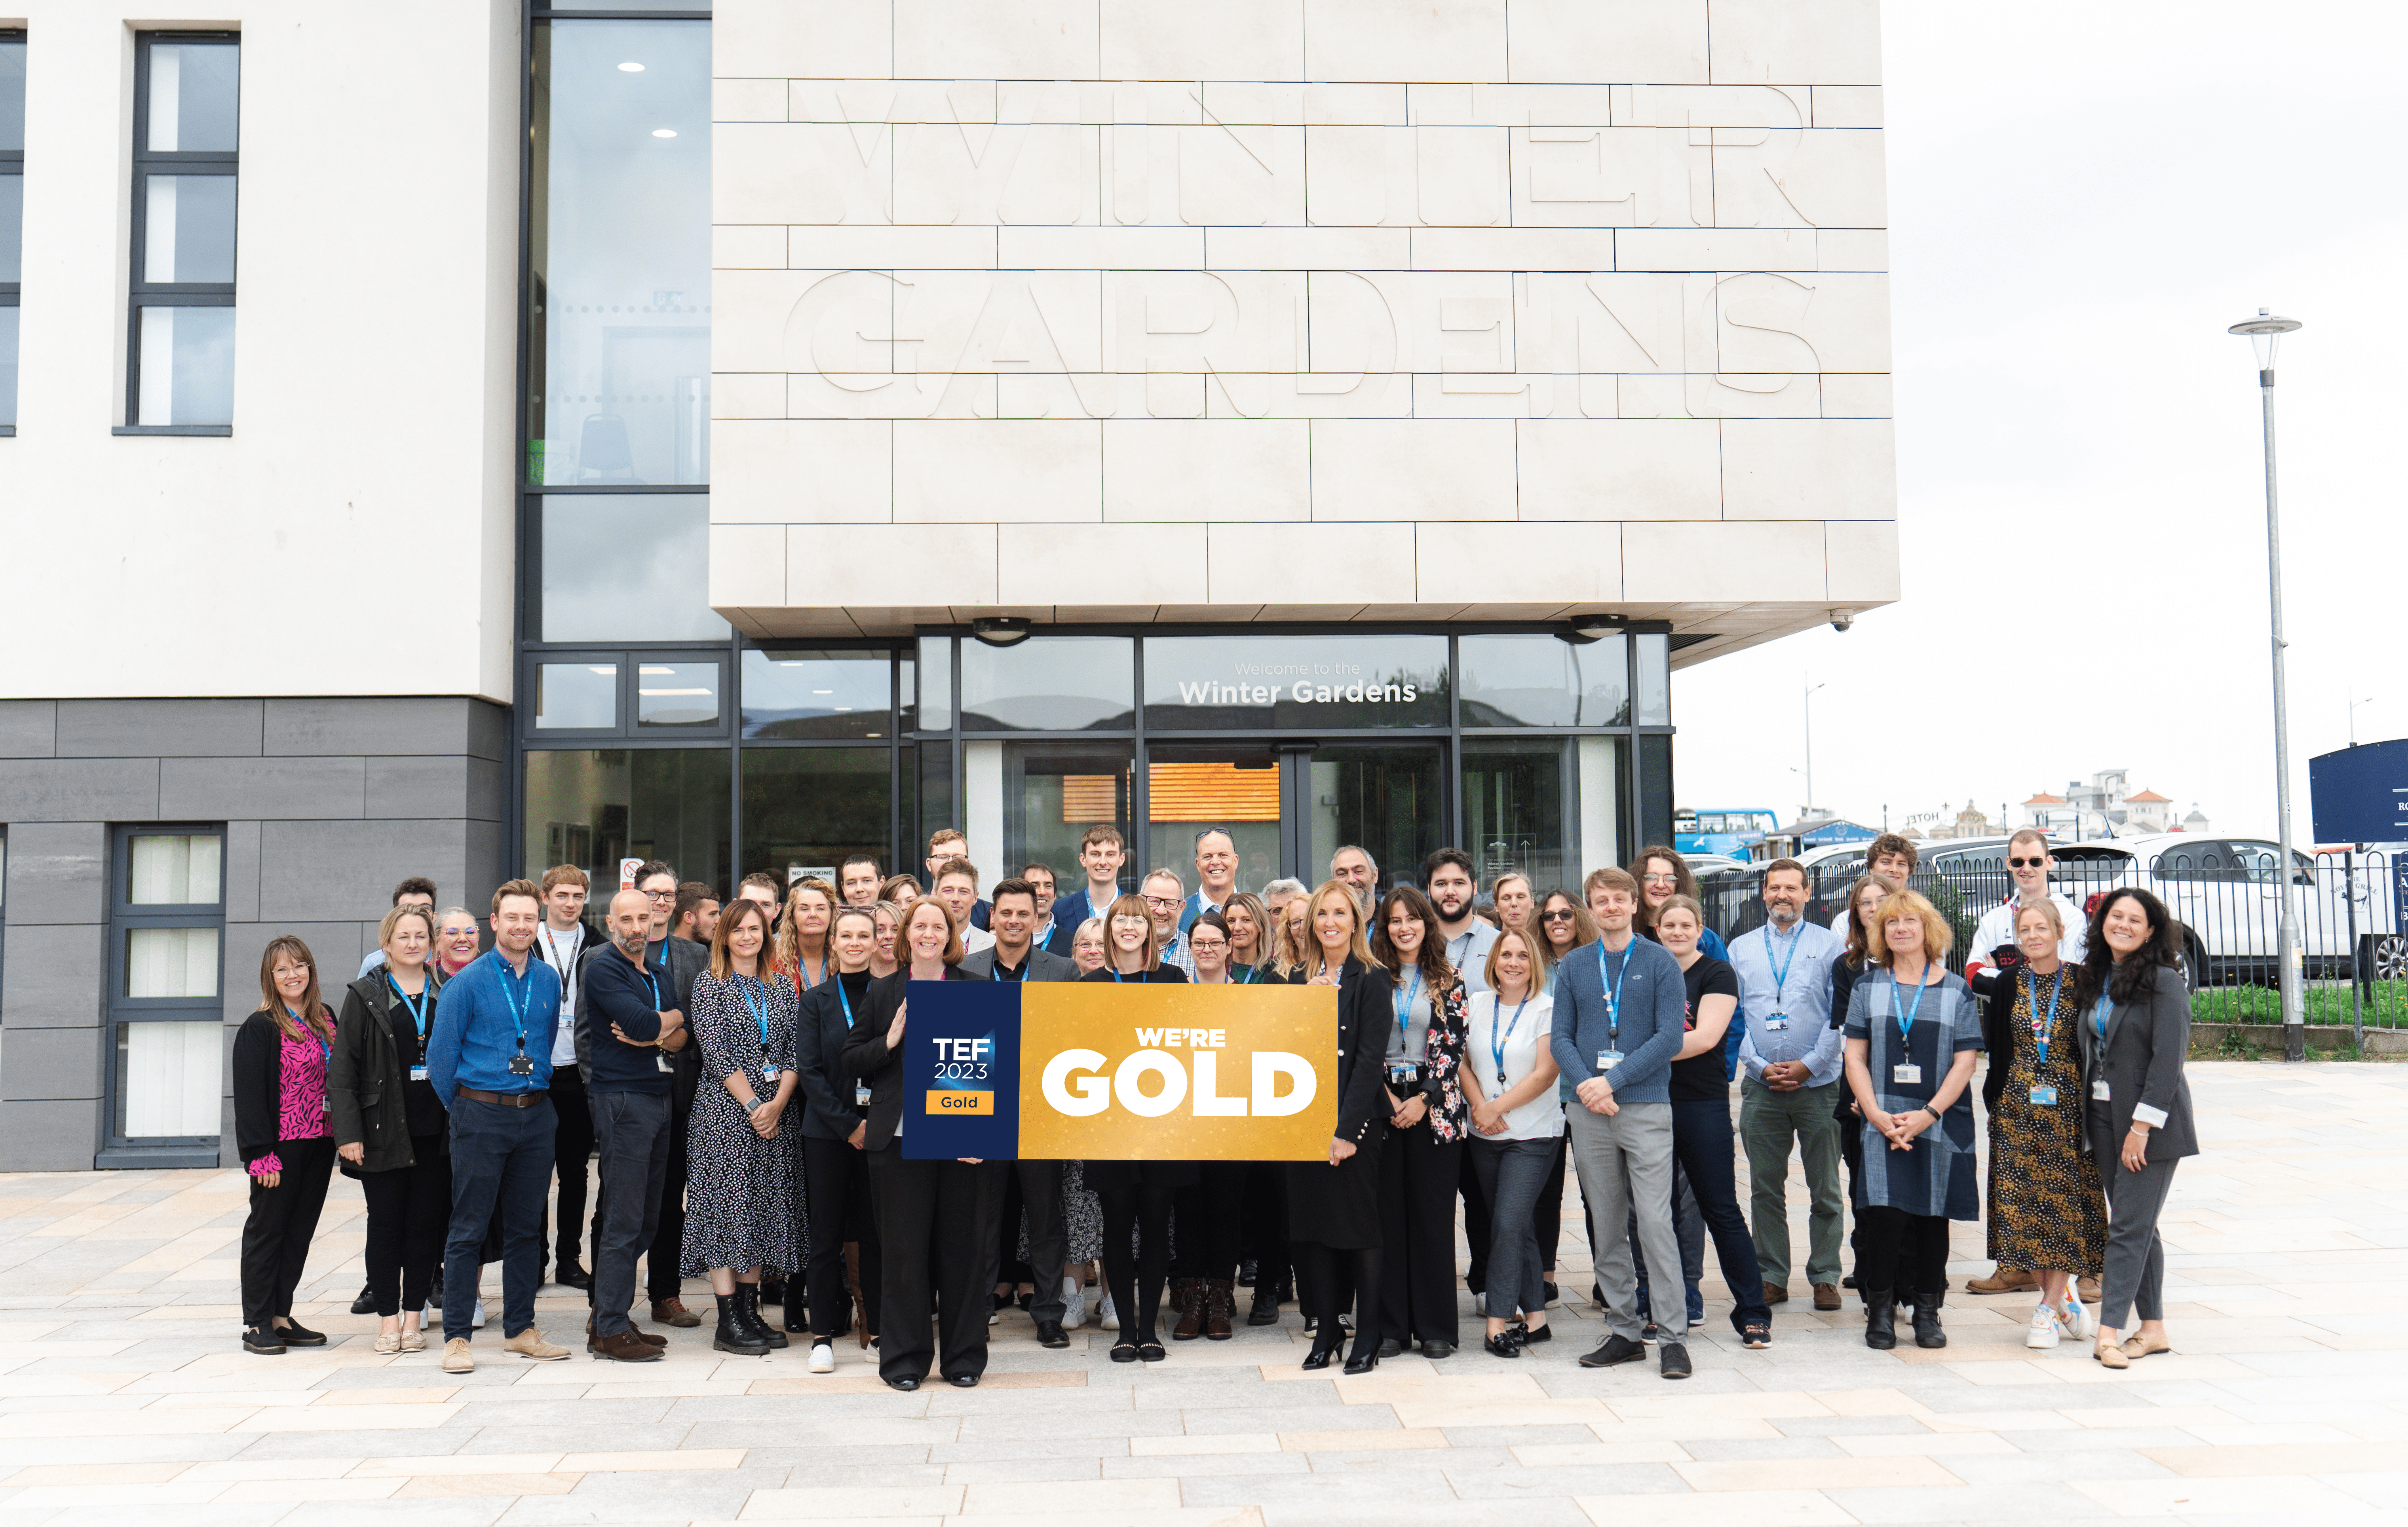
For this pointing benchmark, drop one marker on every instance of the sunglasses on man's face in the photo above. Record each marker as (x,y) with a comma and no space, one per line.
(2025,863)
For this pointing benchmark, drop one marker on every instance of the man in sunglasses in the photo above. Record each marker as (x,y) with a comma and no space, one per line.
(2029,863)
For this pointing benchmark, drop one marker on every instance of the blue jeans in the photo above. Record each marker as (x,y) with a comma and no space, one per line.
(1701,1143)
(500,1156)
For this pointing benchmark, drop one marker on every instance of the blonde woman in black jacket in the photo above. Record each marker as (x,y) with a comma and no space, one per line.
(390,1128)
(2135,1030)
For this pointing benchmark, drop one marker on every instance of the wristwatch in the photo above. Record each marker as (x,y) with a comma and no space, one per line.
(754,1107)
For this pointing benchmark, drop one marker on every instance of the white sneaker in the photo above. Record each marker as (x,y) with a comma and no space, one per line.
(2079,1321)
(823,1357)
(478,1323)
(1107,1316)
(2045,1326)
(1074,1304)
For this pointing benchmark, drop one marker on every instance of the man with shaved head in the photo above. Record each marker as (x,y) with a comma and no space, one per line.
(631,1007)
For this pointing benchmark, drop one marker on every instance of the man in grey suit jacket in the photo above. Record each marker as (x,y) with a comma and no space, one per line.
(1016,958)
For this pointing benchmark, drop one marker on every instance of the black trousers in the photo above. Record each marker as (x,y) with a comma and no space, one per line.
(1902,1252)
(1546,1217)
(1476,1227)
(1034,1188)
(1852,1151)
(661,1281)
(835,1179)
(1136,1272)
(572,1151)
(1266,1221)
(929,1218)
(409,1209)
(1212,1222)
(1419,1177)
(276,1235)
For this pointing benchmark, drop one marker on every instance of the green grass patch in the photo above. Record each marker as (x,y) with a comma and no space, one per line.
(2328,1003)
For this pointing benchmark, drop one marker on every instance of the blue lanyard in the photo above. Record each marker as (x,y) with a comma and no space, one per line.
(417,1010)
(1612,993)
(1781,975)
(845,997)
(1254,974)
(1116,974)
(744,985)
(800,966)
(325,1050)
(655,985)
(2101,1013)
(1905,1014)
(1413,995)
(1496,1042)
(518,1002)
(994,971)
(2042,1028)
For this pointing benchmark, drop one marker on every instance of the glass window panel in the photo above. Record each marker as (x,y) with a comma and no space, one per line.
(1388,801)
(195,88)
(1604,787)
(935,691)
(13,97)
(907,685)
(1049,684)
(593,808)
(1655,788)
(1513,806)
(9,365)
(1539,680)
(1024,801)
(802,693)
(1189,788)
(620,310)
(1254,682)
(12,227)
(677,694)
(174,869)
(579,695)
(171,961)
(1655,668)
(170,1080)
(935,803)
(627,567)
(187,360)
(188,228)
(810,808)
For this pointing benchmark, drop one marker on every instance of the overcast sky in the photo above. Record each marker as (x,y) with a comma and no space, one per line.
(2083,198)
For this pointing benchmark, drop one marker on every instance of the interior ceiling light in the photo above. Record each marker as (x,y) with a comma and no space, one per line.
(631,68)
(663,132)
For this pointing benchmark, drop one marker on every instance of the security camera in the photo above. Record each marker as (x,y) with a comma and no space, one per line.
(1843,619)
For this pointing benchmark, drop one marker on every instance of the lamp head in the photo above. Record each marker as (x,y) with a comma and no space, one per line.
(1000,630)
(1584,629)
(2265,331)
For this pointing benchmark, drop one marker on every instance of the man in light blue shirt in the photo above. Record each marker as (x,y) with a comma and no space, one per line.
(1216,879)
(1790,1058)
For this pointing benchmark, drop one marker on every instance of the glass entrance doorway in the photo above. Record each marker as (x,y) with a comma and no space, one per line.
(1292,804)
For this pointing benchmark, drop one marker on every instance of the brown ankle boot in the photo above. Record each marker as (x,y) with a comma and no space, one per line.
(1219,1309)
(1188,1297)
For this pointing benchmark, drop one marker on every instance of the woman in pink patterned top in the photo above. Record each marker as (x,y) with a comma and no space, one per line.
(281,1056)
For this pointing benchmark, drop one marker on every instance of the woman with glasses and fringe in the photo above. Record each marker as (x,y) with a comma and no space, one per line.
(281,1056)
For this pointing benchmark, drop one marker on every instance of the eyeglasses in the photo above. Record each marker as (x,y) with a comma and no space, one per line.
(660,895)
(1560,915)
(2027,863)
(1660,879)
(1162,904)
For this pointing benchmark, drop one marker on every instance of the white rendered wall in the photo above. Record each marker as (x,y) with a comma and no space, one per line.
(1304,307)
(354,535)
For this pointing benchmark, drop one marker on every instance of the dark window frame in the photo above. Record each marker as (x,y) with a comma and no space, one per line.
(12,161)
(141,293)
(125,916)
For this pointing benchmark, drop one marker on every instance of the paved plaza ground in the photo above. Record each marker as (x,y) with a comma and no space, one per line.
(128,1398)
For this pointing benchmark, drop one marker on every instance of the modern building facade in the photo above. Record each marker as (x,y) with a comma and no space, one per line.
(753,437)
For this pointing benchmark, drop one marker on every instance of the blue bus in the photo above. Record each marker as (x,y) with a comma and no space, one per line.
(1724,829)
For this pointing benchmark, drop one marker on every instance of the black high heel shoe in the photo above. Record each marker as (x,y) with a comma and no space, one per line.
(1366,1355)
(1323,1351)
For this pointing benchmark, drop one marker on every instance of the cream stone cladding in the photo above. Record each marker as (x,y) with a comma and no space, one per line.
(1131,309)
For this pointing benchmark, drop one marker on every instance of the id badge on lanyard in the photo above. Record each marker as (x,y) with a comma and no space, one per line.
(660,1057)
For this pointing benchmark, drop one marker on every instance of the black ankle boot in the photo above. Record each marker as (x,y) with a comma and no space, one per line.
(1881,1319)
(763,1331)
(1926,1318)
(734,1334)
(1267,1304)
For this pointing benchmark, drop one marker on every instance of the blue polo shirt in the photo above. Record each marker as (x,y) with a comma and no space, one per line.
(477,1024)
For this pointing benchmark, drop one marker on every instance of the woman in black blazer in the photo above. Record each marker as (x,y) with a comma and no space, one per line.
(1135,1195)
(1335,1208)
(834,1136)
(920,1202)
(2135,1031)
(281,1055)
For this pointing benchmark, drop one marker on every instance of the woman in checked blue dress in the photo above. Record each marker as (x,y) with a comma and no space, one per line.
(1913,1031)
(740,1174)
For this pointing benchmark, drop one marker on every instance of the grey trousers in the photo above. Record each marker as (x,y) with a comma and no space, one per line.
(2135,1277)
(633,1130)
(1626,1163)
(1510,1173)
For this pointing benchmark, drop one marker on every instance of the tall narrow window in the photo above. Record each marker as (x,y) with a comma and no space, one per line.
(179,378)
(12,215)
(167,1009)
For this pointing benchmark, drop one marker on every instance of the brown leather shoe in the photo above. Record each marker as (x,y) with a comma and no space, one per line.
(672,1311)
(639,1335)
(2004,1281)
(625,1347)
(1188,1297)
(2086,1290)
(1775,1295)
(1827,1296)
(1219,1309)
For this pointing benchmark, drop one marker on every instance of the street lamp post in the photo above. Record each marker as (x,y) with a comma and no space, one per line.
(1809,706)
(2265,331)
(2353,716)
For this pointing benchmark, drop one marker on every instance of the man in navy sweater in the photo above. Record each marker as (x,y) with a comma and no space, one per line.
(1621,1006)
(629,1008)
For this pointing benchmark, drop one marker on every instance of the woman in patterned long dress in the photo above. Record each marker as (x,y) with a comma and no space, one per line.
(739,1175)
(1911,1065)
(2047,1211)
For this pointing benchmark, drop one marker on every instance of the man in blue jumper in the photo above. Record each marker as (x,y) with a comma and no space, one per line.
(1620,1011)
(489,1059)
(630,1007)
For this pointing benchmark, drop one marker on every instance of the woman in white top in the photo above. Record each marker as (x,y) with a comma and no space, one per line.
(1509,1082)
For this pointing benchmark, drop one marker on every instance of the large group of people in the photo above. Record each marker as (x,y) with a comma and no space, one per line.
(731,1074)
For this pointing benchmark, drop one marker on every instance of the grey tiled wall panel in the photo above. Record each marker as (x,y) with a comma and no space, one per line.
(37,1064)
(440,786)
(159,728)
(55,975)
(337,944)
(408,725)
(78,789)
(58,871)
(242,871)
(29,728)
(262,789)
(311,869)
(50,1135)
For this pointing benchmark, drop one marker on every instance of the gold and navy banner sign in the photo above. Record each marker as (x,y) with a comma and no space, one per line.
(1103,1071)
